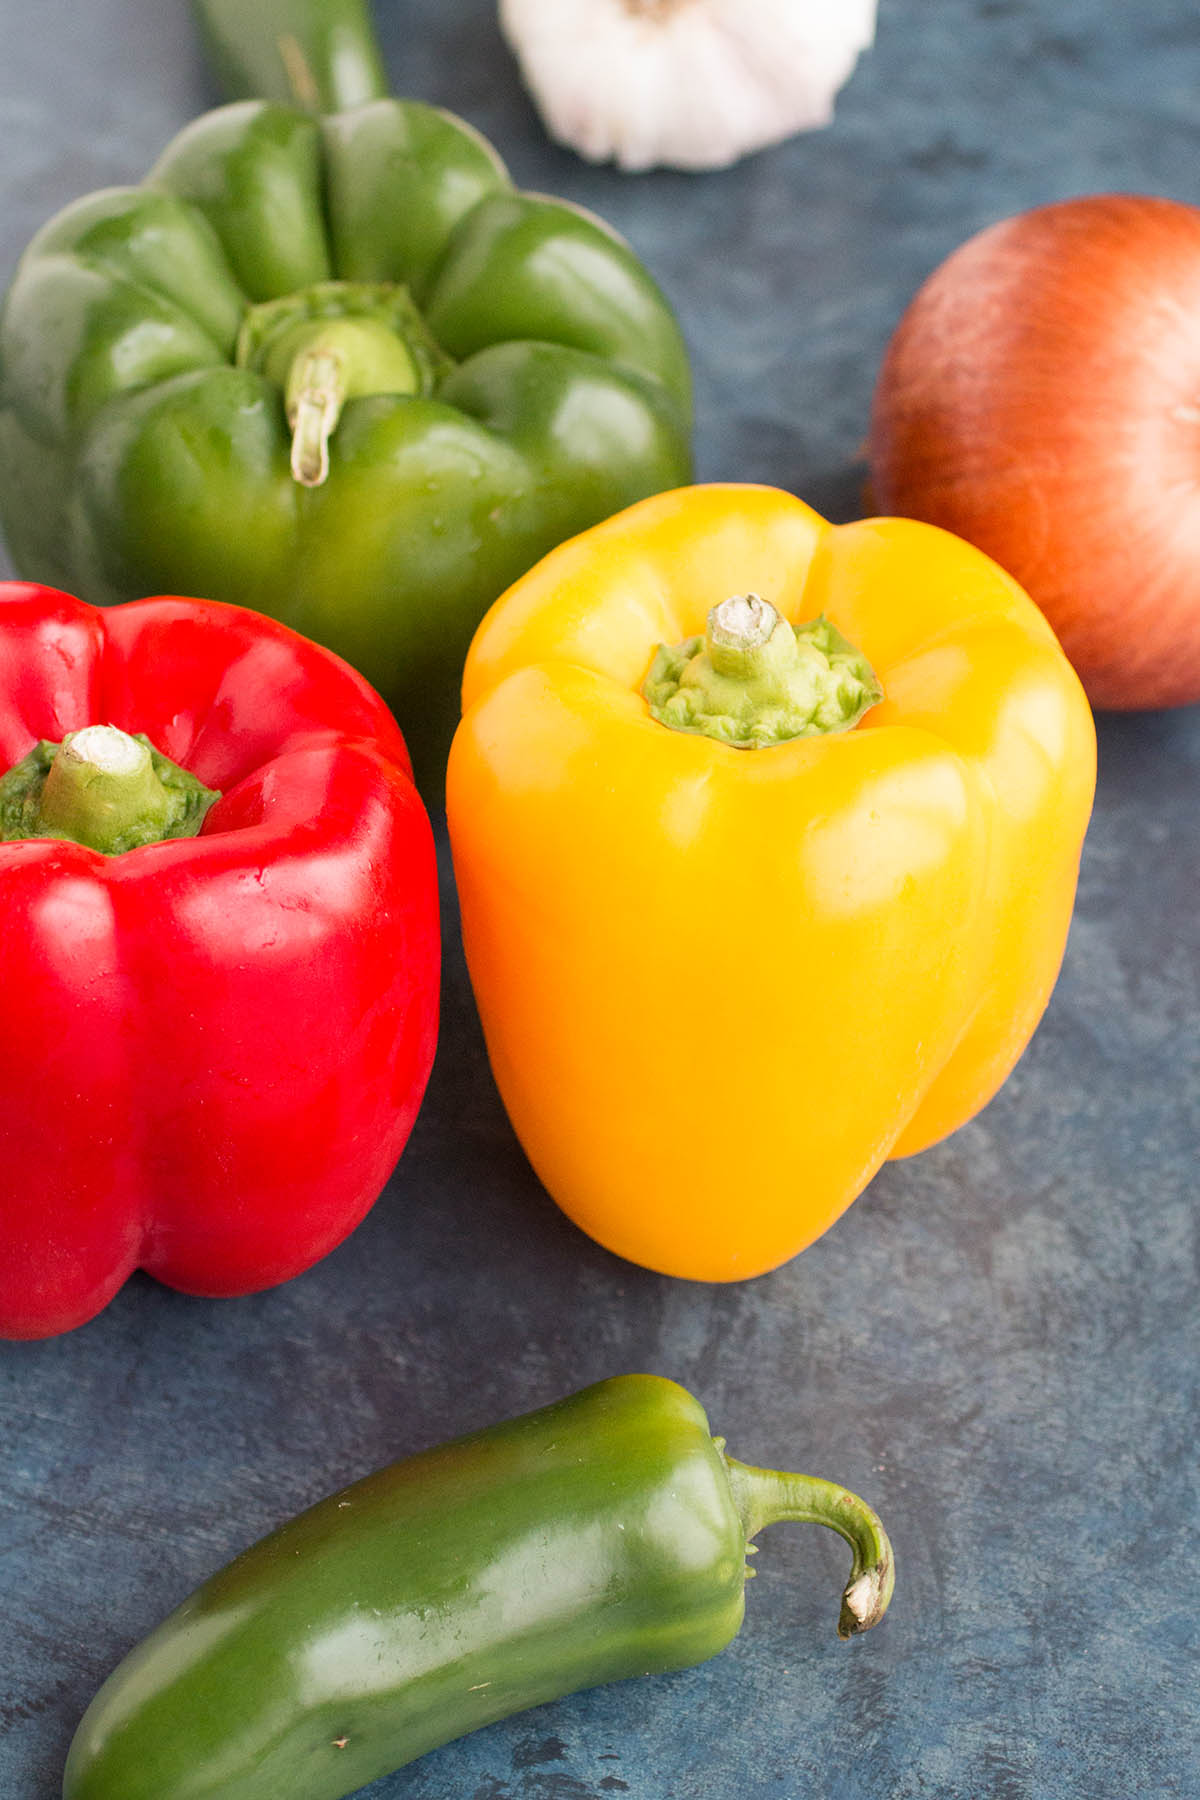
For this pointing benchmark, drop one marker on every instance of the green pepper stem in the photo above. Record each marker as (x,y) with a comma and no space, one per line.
(326,363)
(100,787)
(769,1496)
(314,407)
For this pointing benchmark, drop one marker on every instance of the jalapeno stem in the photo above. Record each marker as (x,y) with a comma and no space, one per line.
(769,1496)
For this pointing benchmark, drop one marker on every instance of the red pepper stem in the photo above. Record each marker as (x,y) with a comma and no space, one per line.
(101,786)
(768,1496)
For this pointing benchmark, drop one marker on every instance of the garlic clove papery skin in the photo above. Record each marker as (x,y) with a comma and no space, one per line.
(684,84)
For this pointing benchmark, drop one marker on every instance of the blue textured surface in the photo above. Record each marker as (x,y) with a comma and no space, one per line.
(997,1344)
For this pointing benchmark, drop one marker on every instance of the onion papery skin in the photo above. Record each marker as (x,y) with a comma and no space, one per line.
(1041,398)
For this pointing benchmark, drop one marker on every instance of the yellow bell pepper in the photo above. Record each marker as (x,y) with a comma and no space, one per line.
(723,977)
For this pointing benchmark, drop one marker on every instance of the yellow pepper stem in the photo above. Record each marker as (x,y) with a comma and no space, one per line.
(747,640)
(754,680)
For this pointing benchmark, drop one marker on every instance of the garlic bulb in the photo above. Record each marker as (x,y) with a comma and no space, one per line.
(684,84)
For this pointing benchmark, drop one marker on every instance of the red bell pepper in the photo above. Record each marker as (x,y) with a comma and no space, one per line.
(213,1046)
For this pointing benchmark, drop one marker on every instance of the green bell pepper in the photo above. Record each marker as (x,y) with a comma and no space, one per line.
(319,54)
(601,1537)
(336,369)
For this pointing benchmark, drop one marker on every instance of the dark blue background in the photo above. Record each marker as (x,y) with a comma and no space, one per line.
(997,1344)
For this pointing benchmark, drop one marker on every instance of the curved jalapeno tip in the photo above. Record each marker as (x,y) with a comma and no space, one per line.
(866,1597)
(768,1496)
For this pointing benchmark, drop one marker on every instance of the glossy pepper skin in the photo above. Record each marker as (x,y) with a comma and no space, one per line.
(757,973)
(520,377)
(320,54)
(603,1536)
(212,1049)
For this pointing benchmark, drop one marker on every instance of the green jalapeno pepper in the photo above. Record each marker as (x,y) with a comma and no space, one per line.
(601,1537)
(337,369)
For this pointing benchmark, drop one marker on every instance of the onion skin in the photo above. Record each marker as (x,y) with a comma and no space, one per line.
(1041,398)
